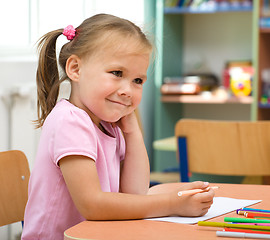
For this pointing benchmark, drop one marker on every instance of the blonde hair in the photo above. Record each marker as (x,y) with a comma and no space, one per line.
(94,34)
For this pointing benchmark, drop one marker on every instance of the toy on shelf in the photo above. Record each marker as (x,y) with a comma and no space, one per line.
(237,78)
(240,81)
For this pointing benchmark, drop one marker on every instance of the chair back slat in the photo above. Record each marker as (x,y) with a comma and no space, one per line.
(14,177)
(227,148)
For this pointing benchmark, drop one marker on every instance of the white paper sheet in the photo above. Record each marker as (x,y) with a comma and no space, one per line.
(220,206)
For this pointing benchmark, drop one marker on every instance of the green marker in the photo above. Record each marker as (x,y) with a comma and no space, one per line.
(245,220)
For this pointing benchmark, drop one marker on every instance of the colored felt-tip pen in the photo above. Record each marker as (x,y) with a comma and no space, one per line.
(242,235)
(231,225)
(245,220)
(194,191)
(255,210)
(240,212)
(256,215)
(244,230)
(258,224)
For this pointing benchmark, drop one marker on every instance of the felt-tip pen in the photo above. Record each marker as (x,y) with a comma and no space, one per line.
(242,235)
(231,225)
(256,215)
(255,210)
(245,220)
(245,230)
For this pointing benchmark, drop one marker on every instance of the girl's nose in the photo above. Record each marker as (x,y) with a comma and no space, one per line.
(125,90)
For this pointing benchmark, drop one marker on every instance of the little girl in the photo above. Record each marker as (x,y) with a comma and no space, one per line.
(91,162)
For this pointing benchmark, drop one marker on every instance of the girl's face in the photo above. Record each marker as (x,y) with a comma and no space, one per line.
(109,85)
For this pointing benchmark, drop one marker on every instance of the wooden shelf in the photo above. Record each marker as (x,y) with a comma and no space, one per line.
(205,100)
(264,105)
(265,30)
(215,9)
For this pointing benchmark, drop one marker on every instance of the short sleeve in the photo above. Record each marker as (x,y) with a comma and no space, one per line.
(74,135)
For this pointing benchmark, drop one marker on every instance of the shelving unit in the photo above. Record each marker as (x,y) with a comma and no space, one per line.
(264,30)
(215,9)
(205,100)
(263,62)
(170,42)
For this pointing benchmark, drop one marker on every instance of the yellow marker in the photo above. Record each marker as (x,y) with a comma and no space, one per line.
(231,225)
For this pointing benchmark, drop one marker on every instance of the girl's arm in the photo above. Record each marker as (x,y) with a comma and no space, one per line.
(135,170)
(82,181)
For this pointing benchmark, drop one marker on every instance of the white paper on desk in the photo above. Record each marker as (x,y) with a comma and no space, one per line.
(220,206)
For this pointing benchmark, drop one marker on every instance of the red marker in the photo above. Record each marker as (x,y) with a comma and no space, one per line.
(244,230)
(256,215)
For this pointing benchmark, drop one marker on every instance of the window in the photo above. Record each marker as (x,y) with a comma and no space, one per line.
(14,23)
(23,22)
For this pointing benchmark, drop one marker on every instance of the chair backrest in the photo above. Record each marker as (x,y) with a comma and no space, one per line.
(14,177)
(224,147)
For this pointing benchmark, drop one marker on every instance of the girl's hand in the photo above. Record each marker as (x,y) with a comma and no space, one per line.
(128,123)
(194,185)
(192,205)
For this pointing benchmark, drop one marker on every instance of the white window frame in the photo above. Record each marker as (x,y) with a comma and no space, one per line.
(121,8)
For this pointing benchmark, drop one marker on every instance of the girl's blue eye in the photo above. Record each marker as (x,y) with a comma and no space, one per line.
(117,73)
(138,81)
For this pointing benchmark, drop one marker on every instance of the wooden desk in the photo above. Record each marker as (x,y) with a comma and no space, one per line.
(144,229)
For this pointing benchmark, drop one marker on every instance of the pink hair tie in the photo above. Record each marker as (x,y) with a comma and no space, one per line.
(69,32)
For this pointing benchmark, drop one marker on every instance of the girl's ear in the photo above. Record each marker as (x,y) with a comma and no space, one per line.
(73,68)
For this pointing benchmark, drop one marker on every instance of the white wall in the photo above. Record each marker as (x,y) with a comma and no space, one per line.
(210,40)
(16,74)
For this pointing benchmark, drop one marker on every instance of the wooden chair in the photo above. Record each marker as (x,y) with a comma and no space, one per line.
(14,177)
(223,148)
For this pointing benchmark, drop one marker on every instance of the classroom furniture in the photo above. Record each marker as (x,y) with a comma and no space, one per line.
(145,229)
(166,144)
(14,177)
(172,33)
(234,148)
(261,58)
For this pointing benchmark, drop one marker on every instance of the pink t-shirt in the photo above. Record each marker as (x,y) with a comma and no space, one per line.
(68,130)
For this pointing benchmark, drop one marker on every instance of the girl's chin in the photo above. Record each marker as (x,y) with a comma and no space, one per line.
(112,119)
(116,117)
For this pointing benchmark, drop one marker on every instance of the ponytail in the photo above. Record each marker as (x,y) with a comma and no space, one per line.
(47,76)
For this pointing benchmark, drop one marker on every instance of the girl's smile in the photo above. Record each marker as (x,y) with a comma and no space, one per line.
(125,104)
